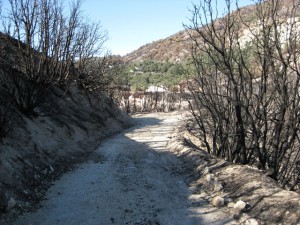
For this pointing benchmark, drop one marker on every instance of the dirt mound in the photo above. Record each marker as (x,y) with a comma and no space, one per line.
(69,126)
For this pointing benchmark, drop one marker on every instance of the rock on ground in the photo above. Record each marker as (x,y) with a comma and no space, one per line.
(217,201)
(240,205)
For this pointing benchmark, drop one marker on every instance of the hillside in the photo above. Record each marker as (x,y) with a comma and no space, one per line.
(177,48)
(64,129)
(38,150)
(174,48)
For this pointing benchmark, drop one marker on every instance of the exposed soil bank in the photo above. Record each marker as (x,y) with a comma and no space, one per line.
(265,200)
(69,126)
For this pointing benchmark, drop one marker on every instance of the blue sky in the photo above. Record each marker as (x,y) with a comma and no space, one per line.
(133,23)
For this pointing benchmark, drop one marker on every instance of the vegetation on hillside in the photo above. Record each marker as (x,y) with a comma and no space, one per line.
(146,73)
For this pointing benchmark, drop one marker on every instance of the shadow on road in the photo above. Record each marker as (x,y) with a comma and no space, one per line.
(135,180)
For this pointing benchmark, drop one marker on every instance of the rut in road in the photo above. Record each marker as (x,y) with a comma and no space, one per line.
(135,180)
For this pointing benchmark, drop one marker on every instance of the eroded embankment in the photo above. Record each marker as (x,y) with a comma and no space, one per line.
(247,193)
(69,126)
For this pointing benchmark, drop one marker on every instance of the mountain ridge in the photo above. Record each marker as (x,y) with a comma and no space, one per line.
(174,48)
(178,47)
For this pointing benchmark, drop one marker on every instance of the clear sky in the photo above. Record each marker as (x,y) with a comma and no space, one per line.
(133,23)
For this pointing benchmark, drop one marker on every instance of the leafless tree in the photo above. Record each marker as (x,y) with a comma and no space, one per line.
(246,85)
(90,42)
(105,74)
(49,41)
(5,102)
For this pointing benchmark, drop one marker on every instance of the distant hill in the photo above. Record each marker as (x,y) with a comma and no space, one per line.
(174,48)
(177,48)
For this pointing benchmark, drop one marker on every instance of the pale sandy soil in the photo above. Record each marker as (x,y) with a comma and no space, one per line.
(133,179)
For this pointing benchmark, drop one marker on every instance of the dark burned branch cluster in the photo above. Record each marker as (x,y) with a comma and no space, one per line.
(246,98)
(43,45)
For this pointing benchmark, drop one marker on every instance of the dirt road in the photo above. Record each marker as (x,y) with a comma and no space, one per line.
(133,179)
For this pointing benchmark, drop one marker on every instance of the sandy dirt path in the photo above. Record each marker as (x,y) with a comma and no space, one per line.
(134,179)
